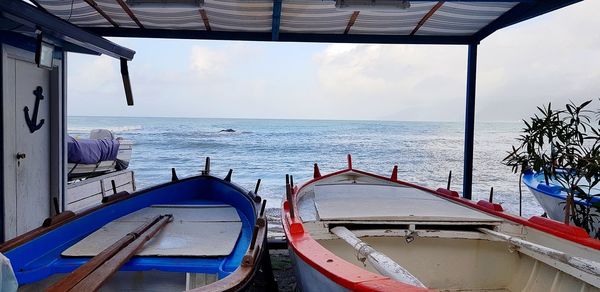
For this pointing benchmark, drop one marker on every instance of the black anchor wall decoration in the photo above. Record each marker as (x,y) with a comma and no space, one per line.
(32,121)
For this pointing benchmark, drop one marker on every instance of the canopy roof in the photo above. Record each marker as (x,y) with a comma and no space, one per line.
(21,24)
(376,21)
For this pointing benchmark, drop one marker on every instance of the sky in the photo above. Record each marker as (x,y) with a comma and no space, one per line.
(553,58)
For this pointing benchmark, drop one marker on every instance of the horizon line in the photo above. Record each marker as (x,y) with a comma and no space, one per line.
(292,119)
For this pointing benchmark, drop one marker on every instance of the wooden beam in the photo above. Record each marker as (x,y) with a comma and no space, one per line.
(351,21)
(283,37)
(130,13)
(427,16)
(95,6)
(205,19)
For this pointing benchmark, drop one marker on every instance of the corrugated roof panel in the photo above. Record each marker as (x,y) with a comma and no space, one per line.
(297,16)
(313,17)
(222,22)
(116,13)
(229,15)
(229,27)
(169,18)
(239,6)
(398,22)
(463,18)
(75,11)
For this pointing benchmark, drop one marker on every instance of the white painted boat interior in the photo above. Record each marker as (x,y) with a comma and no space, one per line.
(367,202)
(89,192)
(455,264)
(196,231)
(441,242)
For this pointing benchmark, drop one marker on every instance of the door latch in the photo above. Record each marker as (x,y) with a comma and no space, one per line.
(20,156)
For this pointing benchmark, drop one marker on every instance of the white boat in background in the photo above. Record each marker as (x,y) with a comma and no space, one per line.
(353,230)
(97,168)
(97,165)
(552,196)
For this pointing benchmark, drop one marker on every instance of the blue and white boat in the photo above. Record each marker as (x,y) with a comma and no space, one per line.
(212,238)
(552,196)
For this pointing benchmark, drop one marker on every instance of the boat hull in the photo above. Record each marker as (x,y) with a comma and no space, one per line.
(37,256)
(309,279)
(357,231)
(553,206)
(551,198)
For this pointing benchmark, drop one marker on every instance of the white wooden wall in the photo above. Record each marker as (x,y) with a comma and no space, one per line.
(29,184)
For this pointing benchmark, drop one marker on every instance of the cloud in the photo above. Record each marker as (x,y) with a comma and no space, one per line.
(210,61)
(99,73)
(203,81)
(550,58)
(553,58)
(387,81)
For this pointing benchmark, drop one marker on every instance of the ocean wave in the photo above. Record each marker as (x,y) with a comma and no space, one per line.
(116,129)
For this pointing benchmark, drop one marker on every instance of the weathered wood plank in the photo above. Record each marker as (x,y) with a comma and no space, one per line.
(10,163)
(363,202)
(82,191)
(199,231)
(84,203)
(89,192)
(120,179)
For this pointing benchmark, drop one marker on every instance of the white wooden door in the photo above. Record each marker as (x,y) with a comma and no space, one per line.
(27,154)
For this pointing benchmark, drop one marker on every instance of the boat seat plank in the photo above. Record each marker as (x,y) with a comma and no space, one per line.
(188,213)
(351,202)
(196,231)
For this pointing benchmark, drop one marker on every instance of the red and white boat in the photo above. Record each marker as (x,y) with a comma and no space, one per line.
(353,230)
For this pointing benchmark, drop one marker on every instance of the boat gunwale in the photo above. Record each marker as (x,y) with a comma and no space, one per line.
(30,235)
(586,241)
(240,278)
(310,251)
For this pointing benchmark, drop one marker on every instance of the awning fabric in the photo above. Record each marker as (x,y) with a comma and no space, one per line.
(299,18)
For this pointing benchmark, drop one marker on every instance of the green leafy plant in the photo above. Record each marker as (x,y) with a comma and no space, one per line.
(564,145)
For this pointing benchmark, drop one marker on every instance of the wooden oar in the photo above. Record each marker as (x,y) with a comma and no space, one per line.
(99,276)
(581,264)
(86,269)
(379,261)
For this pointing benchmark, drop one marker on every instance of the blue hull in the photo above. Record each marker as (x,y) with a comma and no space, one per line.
(536,182)
(41,257)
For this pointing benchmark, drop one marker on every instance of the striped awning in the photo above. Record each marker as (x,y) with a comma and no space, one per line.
(268,19)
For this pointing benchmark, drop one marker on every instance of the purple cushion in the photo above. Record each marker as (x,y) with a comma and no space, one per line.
(91,151)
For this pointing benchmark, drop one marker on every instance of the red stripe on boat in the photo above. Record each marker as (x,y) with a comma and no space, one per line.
(335,268)
(490,206)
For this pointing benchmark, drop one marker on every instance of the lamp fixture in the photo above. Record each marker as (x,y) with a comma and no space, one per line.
(44,53)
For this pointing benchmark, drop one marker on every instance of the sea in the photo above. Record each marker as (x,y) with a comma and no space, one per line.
(425,152)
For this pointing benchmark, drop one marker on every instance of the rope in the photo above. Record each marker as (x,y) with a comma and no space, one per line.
(359,252)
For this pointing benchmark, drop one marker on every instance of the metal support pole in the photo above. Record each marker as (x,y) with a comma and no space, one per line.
(276,20)
(469,121)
